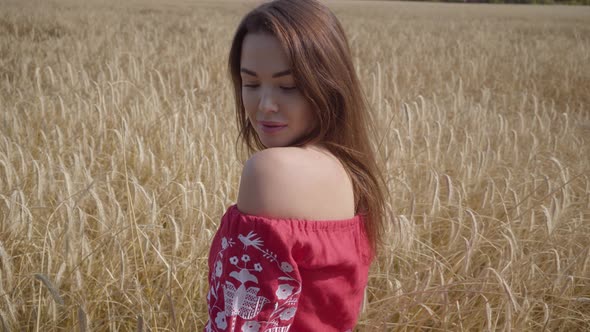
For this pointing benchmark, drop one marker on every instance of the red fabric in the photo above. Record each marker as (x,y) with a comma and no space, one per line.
(286,274)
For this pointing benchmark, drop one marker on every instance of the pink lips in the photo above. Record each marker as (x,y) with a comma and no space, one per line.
(270,127)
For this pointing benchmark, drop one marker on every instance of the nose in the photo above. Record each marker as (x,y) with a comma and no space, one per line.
(268,102)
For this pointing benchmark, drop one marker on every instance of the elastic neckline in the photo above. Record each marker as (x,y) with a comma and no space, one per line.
(304,223)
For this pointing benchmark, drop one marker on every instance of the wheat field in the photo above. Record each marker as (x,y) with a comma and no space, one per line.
(118,158)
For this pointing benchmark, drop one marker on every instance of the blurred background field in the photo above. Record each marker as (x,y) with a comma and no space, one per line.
(117,160)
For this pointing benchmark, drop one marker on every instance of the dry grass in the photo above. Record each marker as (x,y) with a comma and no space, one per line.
(117,161)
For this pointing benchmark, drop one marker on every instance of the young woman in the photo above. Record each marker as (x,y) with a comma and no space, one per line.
(294,253)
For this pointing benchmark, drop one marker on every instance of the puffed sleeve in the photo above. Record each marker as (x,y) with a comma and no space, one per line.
(254,282)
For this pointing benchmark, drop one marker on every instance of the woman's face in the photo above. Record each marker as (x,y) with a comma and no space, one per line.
(276,108)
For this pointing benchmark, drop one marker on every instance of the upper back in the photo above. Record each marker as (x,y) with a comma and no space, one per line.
(300,183)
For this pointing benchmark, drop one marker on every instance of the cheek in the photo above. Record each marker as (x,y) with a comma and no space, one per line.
(250,101)
(306,112)
(311,119)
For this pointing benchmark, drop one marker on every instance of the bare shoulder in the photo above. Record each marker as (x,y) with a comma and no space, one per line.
(296,183)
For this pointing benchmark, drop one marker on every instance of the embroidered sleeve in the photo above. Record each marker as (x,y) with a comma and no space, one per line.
(254,284)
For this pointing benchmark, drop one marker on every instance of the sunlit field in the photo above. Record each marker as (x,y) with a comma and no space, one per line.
(118,159)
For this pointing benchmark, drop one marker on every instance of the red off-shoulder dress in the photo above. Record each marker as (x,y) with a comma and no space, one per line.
(268,274)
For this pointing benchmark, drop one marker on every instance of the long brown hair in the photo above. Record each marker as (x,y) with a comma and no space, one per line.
(320,60)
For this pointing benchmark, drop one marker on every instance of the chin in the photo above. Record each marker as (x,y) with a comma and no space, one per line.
(273,143)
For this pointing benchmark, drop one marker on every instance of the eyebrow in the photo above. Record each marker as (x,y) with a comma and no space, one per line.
(275,75)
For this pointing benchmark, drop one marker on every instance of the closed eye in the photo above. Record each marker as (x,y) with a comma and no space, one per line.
(288,88)
(285,88)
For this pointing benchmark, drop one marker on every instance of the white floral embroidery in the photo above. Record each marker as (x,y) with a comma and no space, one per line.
(218,269)
(286,267)
(243,302)
(288,313)
(240,292)
(220,320)
(251,327)
(284,291)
